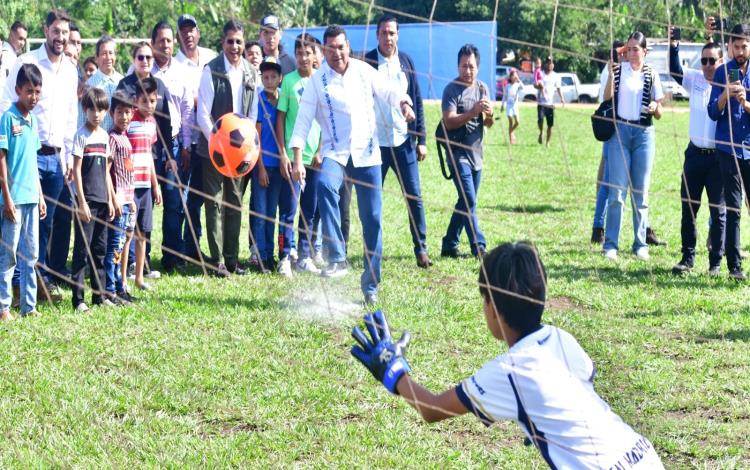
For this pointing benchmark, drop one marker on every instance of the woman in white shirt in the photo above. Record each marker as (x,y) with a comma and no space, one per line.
(637,94)
(510,102)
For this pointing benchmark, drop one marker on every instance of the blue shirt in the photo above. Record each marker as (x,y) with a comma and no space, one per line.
(740,118)
(267,119)
(19,137)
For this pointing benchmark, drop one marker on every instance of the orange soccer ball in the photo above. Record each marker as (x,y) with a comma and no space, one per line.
(233,146)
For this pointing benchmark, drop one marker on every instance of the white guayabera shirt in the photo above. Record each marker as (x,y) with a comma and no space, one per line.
(344,106)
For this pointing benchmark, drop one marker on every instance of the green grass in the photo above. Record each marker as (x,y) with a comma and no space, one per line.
(215,373)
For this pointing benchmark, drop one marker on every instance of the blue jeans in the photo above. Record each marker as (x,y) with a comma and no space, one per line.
(194,204)
(265,202)
(288,203)
(116,237)
(467,181)
(52,181)
(369,184)
(600,210)
(403,160)
(308,203)
(174,197)
(19,249)
(630,159)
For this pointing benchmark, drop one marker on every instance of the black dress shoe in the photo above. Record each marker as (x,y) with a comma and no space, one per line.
(597,236)
(682,268)
(651,238)
(737,274)
(450,253)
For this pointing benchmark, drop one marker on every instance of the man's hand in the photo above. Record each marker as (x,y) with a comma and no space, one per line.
(299,172)
(383,358)
(69,175)
(421,152)
(185,160)
(285,168)
(42,207)
(408,112)
(157,195)
(85,212)
(9,211)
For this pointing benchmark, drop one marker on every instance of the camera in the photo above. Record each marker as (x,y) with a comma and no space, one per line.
(721,24)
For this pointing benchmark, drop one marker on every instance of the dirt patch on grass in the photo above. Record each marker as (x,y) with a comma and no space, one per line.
(226,427)
(563,303)
(446,281)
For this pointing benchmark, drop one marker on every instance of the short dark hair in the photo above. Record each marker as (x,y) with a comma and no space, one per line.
(146,86)
(29,74)
(467,50)
(56,14)
(386,18)
(513,278)
(740,31)
(95,98)
(89,60)
(105,39)
(640,39)
(139,45)
(714,45)
(249,44)
(74,27)
(232,25)
(18,25)
(162,24)
(333,31)
(120,99)
(305,40)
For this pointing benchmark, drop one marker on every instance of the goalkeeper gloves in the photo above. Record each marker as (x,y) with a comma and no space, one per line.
(383,358)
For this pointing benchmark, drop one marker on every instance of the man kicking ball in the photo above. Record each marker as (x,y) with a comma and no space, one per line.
(544,382)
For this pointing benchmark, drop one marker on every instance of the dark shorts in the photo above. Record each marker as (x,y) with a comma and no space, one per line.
(545,112)
(144,204)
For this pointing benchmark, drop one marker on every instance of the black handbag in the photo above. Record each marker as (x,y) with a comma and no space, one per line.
(603,121)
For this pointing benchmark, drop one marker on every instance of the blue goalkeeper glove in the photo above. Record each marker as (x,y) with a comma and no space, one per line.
(383,358)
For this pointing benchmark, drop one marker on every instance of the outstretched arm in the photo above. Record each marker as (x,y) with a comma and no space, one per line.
(432,407)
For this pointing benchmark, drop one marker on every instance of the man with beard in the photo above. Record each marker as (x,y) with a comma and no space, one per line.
(57,114)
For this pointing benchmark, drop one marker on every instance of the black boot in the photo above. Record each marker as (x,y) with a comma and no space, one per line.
(651,238)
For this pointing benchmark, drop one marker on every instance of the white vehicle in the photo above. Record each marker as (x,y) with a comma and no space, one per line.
(572,90)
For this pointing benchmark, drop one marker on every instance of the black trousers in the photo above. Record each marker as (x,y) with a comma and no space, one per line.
(93,235)
(702,170)
(735,173)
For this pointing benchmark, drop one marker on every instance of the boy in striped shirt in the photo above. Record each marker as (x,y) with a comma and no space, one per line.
(142,135)
(94,193)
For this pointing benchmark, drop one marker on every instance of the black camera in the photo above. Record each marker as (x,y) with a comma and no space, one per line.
(721,24)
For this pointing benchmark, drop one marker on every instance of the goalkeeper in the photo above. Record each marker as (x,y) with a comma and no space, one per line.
(544,382)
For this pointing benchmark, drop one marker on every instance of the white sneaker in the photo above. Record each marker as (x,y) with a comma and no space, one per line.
(285,267)
(307,265)
(152,275)
(610,254)
(642,253)
(293,255)
(107,303)
(319,260)
(82,308)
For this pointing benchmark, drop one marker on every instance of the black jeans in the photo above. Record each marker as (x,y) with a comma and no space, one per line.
(735,173)
(702,170)
(89,249)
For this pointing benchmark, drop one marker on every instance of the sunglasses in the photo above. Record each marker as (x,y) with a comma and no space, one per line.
(144,58)
(708,60)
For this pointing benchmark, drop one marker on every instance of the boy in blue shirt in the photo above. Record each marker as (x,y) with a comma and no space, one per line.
(22,203)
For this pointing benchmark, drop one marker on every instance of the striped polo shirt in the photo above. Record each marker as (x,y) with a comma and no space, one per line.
(122,166)
(142,136)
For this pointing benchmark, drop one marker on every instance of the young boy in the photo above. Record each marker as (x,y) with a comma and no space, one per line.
(269,190)
(142,135)
(118,242)
(23,203)
(544,382)
(93,185)
(291,93)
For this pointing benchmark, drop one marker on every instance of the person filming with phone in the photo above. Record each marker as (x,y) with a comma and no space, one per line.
(730,108)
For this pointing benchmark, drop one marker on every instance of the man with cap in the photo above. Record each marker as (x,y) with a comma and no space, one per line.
(270,39)
(193,59)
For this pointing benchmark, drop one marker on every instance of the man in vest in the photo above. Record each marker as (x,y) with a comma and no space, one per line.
(397,137)
(228,84)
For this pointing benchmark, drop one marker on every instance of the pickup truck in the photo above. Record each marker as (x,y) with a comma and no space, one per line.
(572,89)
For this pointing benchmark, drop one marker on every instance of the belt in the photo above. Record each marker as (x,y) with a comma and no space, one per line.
(637,122)
(48,150)
(701,150)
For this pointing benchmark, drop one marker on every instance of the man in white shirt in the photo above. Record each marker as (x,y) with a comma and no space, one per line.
(701,168)
(173,172)
(57,112)
(228,84)
(341,97)
(193,59)
(548,85)
(11,49)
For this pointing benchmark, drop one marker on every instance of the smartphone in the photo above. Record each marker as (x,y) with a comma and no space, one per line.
(676,34)
(734,75)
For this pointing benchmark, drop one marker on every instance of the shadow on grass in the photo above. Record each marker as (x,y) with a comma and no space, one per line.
(731,335)
(659,276)
(205,300)
(528,208)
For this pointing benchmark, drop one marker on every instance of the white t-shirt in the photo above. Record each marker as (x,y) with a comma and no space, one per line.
(702,127)
(544,383)
(603,78)
(510,94)
(630,96)
(550,84)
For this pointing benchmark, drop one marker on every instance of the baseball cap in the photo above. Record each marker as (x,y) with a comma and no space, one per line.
(269,63)
(270,21)
(186,20)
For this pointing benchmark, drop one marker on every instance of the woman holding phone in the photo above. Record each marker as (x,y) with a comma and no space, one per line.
(637,94)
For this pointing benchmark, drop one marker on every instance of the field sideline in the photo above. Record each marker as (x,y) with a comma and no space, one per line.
(256,371)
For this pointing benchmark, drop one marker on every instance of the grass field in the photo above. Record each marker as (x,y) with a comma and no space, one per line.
(256,371)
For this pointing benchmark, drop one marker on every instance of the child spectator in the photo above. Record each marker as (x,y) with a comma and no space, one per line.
(510,103)
(544,382)
(291,93)
(118,242)
(269,190)
(94,196)
(23,202)
(142,135)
